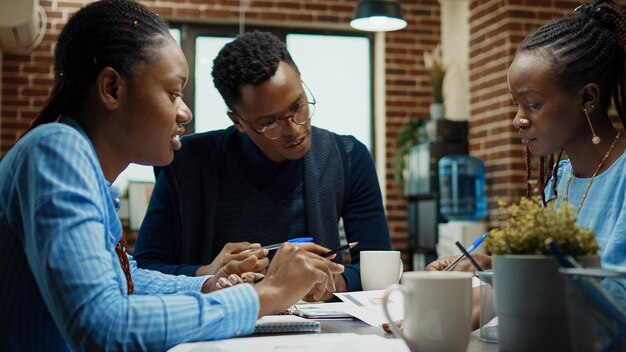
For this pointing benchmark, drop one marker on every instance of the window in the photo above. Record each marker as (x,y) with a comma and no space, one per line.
(337,69)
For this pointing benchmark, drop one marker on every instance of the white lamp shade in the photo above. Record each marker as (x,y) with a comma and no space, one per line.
(378,16)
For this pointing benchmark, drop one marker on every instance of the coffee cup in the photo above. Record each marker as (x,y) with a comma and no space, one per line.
(380,269)
(437,310)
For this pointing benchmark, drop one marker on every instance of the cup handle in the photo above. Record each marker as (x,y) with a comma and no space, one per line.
(401,269)
(394,329)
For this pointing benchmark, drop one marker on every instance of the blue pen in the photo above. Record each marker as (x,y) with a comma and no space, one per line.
(293,240)
(470,249)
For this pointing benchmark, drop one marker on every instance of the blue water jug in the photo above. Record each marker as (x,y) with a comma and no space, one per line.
(462,189)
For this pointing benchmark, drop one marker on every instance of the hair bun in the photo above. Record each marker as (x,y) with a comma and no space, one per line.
(598,13)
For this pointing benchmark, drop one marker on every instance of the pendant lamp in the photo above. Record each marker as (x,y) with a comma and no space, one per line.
(378,16)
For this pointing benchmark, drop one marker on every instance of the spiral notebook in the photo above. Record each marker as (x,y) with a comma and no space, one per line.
(271,324)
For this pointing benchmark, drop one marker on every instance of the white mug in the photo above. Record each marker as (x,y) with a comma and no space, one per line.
(437,310)
(380,269)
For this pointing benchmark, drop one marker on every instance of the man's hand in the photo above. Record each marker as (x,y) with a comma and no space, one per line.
(339,280)
(464,265)
(340,286)
(296,271)
(238,251)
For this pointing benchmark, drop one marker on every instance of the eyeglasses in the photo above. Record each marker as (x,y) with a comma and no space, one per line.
(274,127)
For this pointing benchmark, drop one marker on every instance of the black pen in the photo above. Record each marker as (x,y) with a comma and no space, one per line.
(477,242)
(469,256)
(566,261)
(339,249)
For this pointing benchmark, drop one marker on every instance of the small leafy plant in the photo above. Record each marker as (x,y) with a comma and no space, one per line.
(412,134)
(526,225)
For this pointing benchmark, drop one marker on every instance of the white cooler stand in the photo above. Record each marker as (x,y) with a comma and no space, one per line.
(463,231)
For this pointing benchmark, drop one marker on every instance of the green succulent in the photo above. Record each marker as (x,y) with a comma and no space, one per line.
(526,225)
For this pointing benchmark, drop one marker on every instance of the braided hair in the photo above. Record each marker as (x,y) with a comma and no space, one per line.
(113,33)
(587,47)
(251,59)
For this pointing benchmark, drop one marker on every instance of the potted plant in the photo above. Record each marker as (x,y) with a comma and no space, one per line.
(411,134)
(530,292)
(433,62)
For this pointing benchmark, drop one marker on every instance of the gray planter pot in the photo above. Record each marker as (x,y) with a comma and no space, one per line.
(531,303)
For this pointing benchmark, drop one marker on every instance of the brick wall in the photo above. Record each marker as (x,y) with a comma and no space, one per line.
(408,95)
(496,28)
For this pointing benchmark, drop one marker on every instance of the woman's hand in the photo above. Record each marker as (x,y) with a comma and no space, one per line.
(234,279)
(296,271)
(464,265)
(238,251)
(233,273)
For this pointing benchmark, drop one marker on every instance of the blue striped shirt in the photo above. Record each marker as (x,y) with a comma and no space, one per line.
(61,283)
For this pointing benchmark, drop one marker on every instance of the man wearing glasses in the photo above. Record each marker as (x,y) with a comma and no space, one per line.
(268,178)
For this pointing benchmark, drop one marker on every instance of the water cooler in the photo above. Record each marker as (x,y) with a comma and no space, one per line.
(462,202)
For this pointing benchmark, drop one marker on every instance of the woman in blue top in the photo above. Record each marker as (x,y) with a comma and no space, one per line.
(65,278)
(562,80)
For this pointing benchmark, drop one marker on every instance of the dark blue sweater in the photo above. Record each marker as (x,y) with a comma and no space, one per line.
(179,231)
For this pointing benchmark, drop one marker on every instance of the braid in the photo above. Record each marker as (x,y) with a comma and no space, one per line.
(615,15)
(555,173)
(107,33)
(550,166)
(529,192)
(550,170)
(542,178)
(251,59)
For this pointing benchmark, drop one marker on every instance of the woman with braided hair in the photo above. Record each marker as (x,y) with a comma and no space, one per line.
(562,81)
(67,282)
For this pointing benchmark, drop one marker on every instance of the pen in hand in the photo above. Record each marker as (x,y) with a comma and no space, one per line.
(469,256)
(293,240)
(339,249)
(470,249)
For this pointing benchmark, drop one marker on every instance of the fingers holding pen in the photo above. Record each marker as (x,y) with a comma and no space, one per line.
(325,270)
(316,249)
(293,273)
(463,265)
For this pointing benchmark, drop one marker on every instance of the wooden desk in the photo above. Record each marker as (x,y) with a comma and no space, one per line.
(358,327)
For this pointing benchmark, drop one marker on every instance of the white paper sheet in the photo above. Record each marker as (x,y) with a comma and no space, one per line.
(367,306)
(299,343)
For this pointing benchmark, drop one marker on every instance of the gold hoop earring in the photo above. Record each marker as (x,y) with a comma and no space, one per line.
(595,139)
